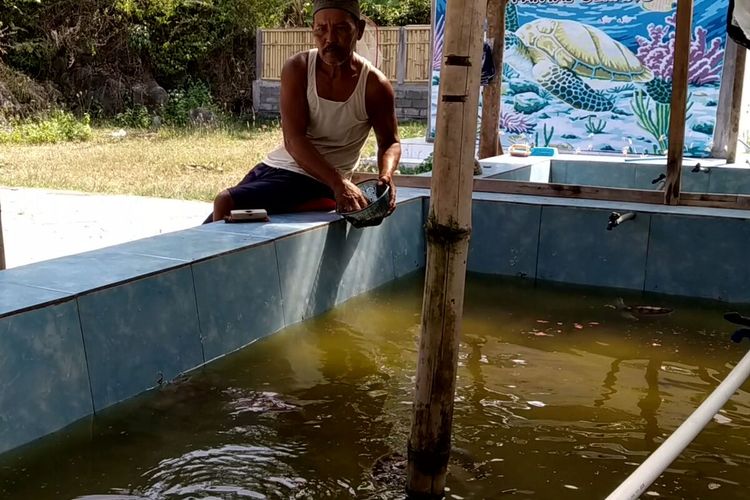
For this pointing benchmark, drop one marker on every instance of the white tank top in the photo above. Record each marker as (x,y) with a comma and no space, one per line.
(338,130)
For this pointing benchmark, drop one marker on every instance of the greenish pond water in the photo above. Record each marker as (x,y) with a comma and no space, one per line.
(559,396)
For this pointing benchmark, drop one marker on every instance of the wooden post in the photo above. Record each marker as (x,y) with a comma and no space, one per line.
(730,103)
(259,54)
(2,243)
(678,110)
(401,56)
(448,229)
(489,143)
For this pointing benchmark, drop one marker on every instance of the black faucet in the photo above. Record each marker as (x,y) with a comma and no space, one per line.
(699,168)
(616,218)
(739,320)
(660,181)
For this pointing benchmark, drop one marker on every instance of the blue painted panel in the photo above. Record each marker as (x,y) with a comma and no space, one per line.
(189,245)
(139,333)
(368,258)
(16,297)
(505,238)
(87,271)
(306,286)
(730,181)
(575,247)
(239,299)
(700,257)
(605,174)
(324,267)
(406,238)
(45,384)
(522,174)
(644,174)
(695,182)
(558,171)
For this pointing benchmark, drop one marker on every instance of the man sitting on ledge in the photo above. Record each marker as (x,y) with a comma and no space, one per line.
(330,99)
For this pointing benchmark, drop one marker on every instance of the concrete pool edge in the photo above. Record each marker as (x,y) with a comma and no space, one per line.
(89,345)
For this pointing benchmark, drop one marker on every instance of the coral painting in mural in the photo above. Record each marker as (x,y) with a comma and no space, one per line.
(597,76)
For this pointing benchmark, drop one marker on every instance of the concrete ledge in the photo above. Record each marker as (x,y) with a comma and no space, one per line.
(81,333)
(85,332)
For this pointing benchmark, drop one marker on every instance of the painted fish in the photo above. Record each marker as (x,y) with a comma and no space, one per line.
(658,5)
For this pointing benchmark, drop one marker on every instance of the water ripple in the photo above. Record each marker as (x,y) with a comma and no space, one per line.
(230,471)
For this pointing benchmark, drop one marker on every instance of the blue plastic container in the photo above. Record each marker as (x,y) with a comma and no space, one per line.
(543,151)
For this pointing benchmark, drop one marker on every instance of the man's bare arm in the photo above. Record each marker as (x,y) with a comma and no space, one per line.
(381,108)
(294,122)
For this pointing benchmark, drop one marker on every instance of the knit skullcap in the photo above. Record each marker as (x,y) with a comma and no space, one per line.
(350,6)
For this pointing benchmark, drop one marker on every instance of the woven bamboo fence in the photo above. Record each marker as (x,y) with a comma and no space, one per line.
(403,52)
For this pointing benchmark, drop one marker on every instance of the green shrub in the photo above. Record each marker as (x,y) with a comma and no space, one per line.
(135,117)
(60,126)
(397,12)
(196,94)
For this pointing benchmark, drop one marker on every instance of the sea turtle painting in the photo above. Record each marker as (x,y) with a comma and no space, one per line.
(562,55)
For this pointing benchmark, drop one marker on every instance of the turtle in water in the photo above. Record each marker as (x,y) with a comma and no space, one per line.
(559,54)
(640,311)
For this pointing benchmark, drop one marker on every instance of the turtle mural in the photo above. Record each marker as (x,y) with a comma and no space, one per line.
(558,54)
(595,76)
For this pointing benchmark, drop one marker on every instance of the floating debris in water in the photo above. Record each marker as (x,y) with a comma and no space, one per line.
(578,326)
(571,487)
(721,419)
(258,402)
(537,404)
(714,486)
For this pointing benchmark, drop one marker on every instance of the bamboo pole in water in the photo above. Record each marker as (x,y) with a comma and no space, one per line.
(448,229)
(679,101)
(489,144)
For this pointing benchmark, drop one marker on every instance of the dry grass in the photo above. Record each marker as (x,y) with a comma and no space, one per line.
(192,165)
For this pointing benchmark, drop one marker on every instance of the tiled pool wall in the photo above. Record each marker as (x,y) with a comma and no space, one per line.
(618,174)
(82,333)
(676,250)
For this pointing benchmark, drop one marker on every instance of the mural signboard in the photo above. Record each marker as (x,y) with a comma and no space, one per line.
(596,75)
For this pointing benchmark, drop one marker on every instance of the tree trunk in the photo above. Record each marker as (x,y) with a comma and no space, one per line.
(448,230)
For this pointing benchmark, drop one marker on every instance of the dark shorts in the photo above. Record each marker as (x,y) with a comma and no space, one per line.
(277,190)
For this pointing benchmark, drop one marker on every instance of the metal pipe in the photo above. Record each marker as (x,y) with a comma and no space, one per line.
(652,468)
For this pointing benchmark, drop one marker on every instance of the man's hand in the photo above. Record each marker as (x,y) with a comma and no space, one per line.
(349,198)
(387,180)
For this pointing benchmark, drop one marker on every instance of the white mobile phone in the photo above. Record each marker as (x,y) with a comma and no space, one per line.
(249,215)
